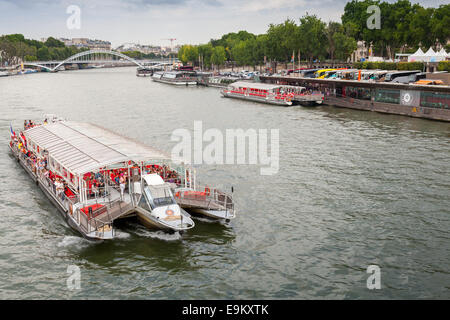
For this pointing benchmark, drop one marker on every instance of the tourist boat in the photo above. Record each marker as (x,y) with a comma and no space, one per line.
(78,155)
(81,176)
(181,78)
(277,94)
(4,74)
(144,72)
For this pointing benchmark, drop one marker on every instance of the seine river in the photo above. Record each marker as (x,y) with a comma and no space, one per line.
(353,189)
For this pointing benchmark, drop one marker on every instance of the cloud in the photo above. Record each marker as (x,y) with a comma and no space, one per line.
(150,21)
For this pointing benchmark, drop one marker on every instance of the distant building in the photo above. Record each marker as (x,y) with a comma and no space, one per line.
(87,43)
(146,49)
(361,52)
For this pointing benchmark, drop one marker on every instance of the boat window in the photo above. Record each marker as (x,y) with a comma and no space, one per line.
(143,204)
(435,99)
(389,96)
(158,196)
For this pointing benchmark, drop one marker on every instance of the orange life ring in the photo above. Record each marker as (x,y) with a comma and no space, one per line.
(207,191)
(169,212)
(177,195)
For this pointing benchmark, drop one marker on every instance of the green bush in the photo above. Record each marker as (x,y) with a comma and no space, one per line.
(444,66)
(410,66)
(389,65)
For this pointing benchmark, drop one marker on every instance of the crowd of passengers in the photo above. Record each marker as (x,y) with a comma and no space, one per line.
(39,166)
(95,182)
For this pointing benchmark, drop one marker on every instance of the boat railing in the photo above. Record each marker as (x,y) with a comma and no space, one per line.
(210,198)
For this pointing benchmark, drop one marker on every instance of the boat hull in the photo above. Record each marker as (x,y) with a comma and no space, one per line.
(213,214)
(61,208)
(152,223)
(176,83)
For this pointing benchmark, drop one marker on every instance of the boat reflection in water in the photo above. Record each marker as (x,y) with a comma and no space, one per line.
(95,176)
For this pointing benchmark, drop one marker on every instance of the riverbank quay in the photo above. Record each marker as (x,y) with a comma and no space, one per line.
(420,101)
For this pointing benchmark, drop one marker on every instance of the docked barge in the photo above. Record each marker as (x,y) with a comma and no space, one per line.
(420,101)
(95,176)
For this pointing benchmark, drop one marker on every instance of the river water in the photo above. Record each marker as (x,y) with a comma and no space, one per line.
(354,189)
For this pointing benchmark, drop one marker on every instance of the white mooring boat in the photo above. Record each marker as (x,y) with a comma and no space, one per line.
(95,176)
(179,78)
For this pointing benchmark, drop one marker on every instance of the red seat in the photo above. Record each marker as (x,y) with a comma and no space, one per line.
(94,207)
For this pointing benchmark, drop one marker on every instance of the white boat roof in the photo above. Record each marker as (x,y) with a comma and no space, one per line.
(82,147)
(255,85)
(153,179)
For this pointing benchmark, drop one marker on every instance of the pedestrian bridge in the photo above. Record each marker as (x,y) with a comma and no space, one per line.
(100,56)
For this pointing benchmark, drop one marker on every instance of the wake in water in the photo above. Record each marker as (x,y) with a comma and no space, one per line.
(161,235)
(118,234)
(207,220)
(74,241)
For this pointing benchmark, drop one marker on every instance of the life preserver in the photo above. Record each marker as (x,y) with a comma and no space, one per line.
(207,191)
(177,195)
(169,212)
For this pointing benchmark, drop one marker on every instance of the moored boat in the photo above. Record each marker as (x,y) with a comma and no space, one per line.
(277,94)
(218,81)
(144,72)
(180,78)
(259,92)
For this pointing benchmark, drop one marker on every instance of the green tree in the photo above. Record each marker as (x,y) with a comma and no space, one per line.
(218,56)
(282,40)
(54,43)
(420,27)
(188,53)
(43,54)
(313,37)
(205,51)
(440,23)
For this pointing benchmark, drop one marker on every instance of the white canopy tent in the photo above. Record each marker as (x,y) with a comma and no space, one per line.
(416,56)
(429,56)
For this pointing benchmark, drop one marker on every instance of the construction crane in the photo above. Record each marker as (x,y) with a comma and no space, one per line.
(171,42)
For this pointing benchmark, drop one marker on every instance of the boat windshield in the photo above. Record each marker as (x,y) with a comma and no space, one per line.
(159,196)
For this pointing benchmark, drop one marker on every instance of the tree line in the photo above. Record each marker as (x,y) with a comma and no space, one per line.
(140,55)
(404,28)
(15,48)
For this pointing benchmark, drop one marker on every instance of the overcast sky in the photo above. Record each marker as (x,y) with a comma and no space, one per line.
(151,21)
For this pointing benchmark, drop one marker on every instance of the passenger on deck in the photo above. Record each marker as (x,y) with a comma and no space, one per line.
(59,187)
(122,186)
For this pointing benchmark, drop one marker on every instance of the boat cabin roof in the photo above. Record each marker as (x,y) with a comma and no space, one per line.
(84,147)
(153,179)
(255,85)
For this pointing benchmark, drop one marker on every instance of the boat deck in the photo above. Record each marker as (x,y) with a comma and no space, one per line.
(197,203)
(113,207)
